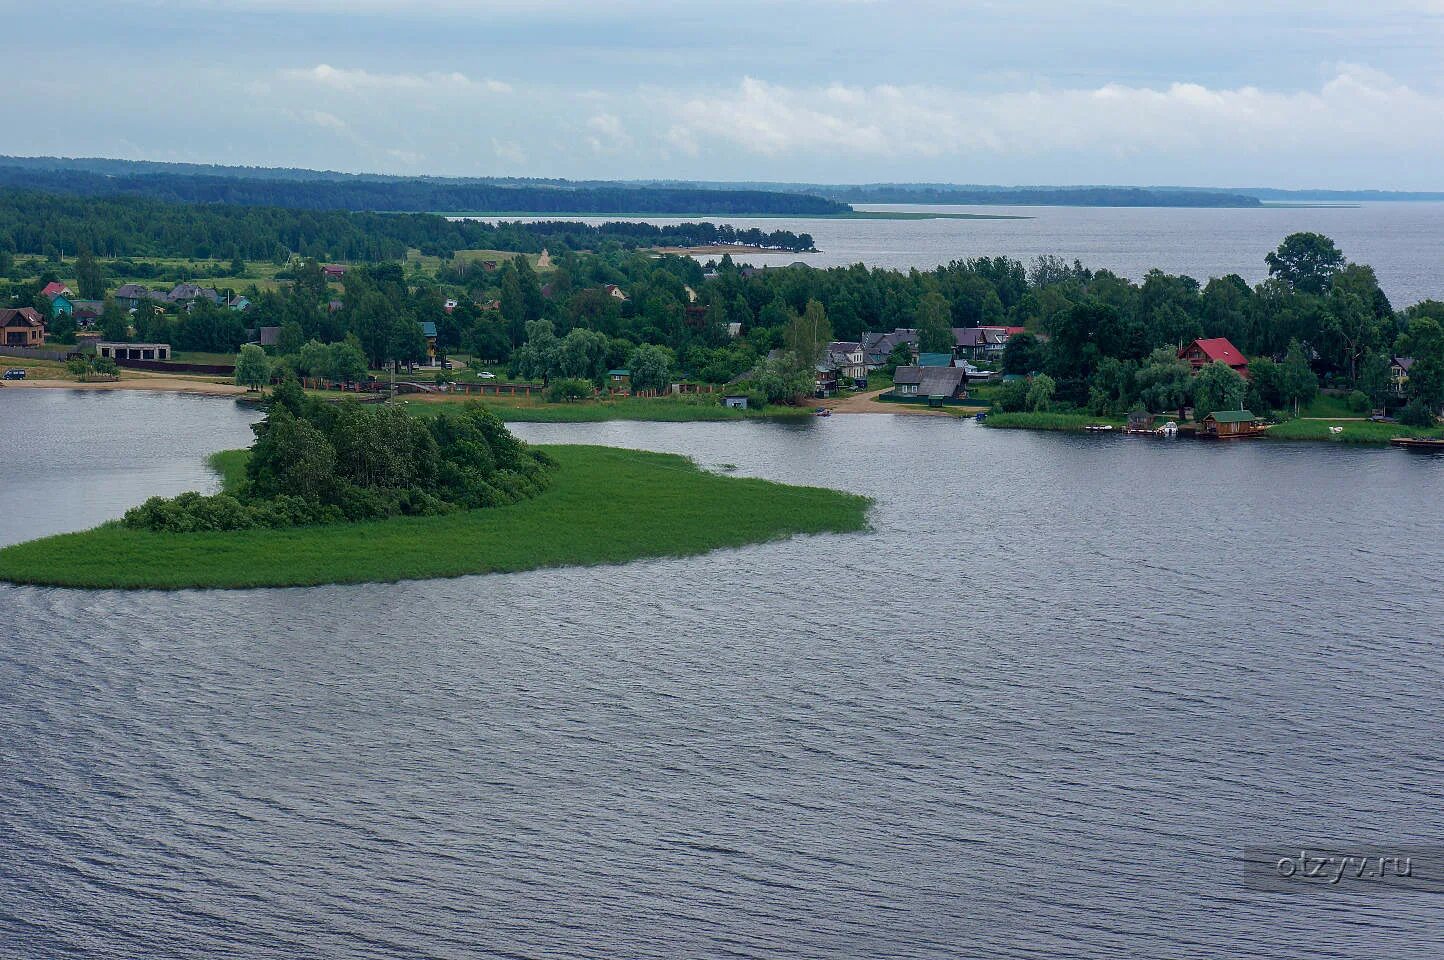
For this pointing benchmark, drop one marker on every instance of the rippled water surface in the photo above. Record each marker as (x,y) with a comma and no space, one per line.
(1399,240)
(1036,712)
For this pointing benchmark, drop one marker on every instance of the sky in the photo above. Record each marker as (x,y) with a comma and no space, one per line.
(1324,94)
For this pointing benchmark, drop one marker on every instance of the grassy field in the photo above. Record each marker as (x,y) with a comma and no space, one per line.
(1328,406)
(658,409)
(1047,421)
(1354,431)
(605,505)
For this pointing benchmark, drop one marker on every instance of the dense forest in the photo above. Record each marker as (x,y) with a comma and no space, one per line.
(39,223)
(974,194)
(417,195)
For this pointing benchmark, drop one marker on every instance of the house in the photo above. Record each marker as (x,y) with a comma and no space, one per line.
(133,351)
(734,330)
(935,360)
(428,330)
(451,304)
(241,304)
(1140,421)
(334,306)
(1200,353)
(129,296)
(619,379)
(1227,424)
(544,261)
(971,342)
(934,384)
(848,359)
(268,336)
(735,401)
(189,293)
(23,327)
(1399,368)
(877,347)
(615,292)
(334,271)
(824,380)
(55,289)
(490,305)
(61,306)
(87,311)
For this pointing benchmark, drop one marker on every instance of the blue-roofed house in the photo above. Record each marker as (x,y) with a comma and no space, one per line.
(935,360)
(428,330)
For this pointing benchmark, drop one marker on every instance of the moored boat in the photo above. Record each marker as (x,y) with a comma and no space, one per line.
(1418,443)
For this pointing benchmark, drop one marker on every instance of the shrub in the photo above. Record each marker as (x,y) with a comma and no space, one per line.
(1417,414)
(1359,402)
(565,391)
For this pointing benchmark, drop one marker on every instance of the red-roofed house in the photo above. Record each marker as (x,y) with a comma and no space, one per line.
(56,289)
(334,271)
(1200,353)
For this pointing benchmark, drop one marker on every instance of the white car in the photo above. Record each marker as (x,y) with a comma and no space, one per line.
(485,375)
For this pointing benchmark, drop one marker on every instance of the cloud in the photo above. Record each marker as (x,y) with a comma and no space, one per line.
(356,80)
(607,133)
(1356,109)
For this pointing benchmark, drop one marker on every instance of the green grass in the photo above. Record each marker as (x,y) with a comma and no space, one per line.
(657,409)
(230,465)
(1355,431)
(1331,407)
(1047,421)
(605,505)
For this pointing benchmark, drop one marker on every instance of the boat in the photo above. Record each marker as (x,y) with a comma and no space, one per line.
(1418,443)
(981,418)
(1168,430)
(822,412)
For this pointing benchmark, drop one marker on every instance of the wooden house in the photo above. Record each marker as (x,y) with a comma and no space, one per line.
(22,327)
(1229,424)
(1200,353)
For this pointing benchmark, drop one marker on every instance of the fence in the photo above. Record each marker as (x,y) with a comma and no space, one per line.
(173,366)
(32,353)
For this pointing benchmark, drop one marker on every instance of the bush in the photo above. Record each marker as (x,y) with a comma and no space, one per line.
(1417,414)
(1359,402)
(564,391)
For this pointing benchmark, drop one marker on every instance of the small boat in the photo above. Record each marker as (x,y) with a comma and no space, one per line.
(822,412)
(981,418)
(1168,430)
(1418,443)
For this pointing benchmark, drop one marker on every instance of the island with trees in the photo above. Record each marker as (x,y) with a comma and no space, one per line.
(349,493)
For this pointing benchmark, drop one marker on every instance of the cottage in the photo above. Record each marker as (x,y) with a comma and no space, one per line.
(1140,421)
(824,380)
(268,336)
(129,296)
(935,360)
(334,271)
(1399,368)
(22,327)
(188,293)
(1228,424)
(877,347)
(241,304)
(55,289)
(61,306)
(619,379)
(428,330)
(848,359)
(934,384)
(1200,353)
(615,292)
(133,351)
(87,311)
(971,342)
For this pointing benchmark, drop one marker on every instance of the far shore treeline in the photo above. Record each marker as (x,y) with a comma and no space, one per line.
(46,224)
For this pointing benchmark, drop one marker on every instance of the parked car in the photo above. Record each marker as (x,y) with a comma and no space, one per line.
(485,375)
(446,364)
(15,373)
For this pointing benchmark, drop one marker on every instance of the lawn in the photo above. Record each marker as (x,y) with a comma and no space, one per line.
(1330,407)
(1048,421)
(1354,431)
(605,505)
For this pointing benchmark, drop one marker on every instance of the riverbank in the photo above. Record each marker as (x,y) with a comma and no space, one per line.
(604,506)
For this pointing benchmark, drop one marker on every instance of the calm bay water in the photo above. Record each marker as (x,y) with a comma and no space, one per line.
(1036,712)
(1400,240)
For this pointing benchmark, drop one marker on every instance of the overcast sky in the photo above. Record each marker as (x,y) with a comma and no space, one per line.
(1208,93)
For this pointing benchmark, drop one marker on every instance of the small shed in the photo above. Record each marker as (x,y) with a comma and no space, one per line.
(620,379)
(735,401)
(1140,421)
(1224,424)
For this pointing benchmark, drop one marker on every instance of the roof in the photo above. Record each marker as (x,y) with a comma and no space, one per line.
(1218,349)
(1230,416)
(55,289)
(907,375)
(428,328)
(970,336)
(935,359)
(619,373)
(336,268)
(20,317)
(268,336)
(131,291)
(1007,331)
(942,381)
(1404,363)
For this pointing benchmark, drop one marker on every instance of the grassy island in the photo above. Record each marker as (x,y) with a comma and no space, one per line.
(603,505)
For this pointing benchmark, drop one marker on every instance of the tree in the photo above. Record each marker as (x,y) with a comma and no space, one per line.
(1022,354)
(290,338)
(290,457)
(1040,393)
(901,355)
(114,322)
(253,368)
(1307,262)
(89,277)
(778,381)
(582,355)
(935,324)
(1297,379)
(1164,381)
(806,336)
(536,359)
(651,367)
(345,361)
(1217,387)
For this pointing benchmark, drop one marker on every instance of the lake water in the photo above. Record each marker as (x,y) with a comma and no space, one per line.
(1037,712)
(1402,241)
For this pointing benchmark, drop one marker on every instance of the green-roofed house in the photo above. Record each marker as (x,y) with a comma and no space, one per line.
(428,330)
(619,380)
(935,360)
(1228,424)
